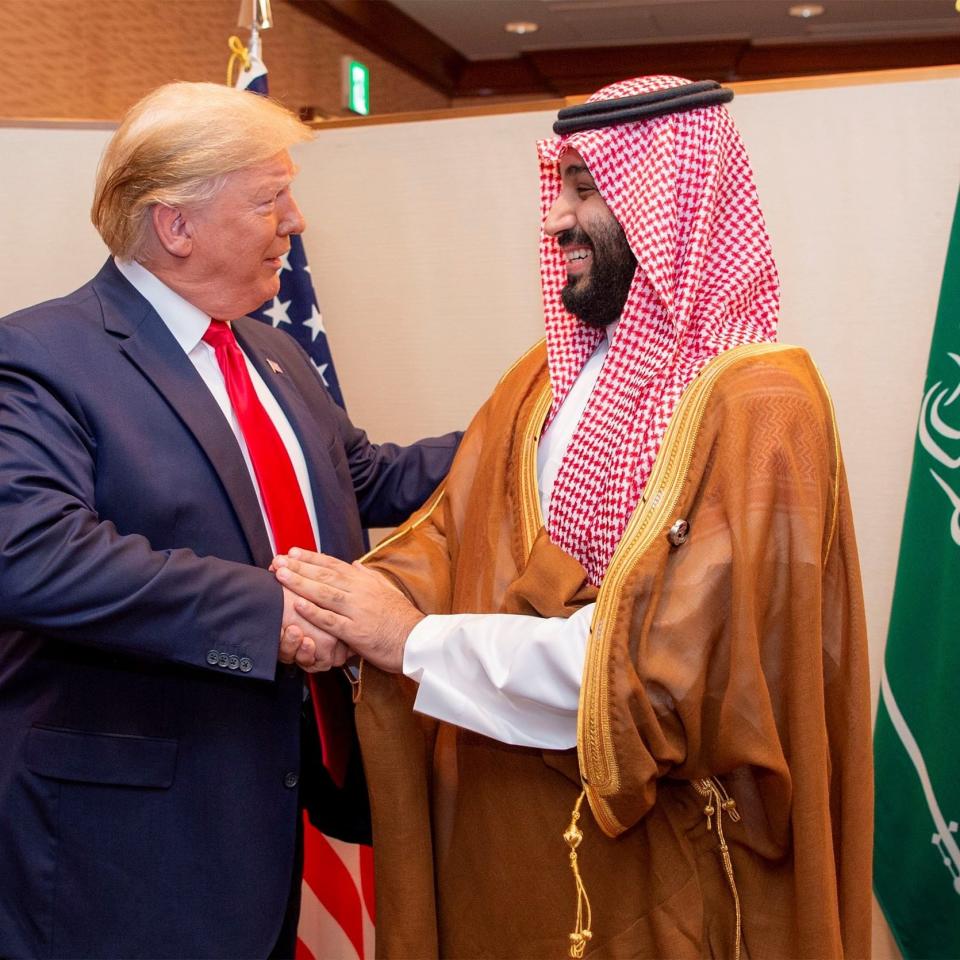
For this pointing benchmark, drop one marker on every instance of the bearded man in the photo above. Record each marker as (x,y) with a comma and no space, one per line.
(638,585)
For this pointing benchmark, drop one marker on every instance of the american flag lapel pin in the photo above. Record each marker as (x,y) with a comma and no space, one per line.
(274,366)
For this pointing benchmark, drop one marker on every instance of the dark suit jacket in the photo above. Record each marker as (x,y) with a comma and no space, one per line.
(149,742)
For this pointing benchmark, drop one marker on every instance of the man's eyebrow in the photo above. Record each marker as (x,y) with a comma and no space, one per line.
(282,181)
(574,170)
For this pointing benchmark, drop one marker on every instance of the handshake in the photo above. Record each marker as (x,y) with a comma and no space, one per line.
(334,610)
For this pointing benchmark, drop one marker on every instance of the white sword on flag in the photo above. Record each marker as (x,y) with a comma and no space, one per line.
(944,839)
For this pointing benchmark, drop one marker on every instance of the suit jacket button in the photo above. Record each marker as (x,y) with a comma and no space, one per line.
(290,780)
(223,660)
(213,658)
(234,662)
(246,664)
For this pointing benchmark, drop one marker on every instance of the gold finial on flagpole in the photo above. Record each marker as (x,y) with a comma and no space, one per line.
(255,15)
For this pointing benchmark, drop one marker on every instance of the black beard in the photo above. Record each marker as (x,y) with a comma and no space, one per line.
(597,298)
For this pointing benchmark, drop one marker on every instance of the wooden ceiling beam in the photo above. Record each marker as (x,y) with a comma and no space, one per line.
(388,32)
(572,72)
(564,73)
(772,60)
(578,71)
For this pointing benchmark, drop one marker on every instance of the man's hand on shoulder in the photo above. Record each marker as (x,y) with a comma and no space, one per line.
(346,604)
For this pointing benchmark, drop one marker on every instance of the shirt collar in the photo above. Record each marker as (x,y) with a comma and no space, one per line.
(186,322)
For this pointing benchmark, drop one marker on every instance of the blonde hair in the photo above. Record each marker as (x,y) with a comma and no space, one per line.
(174,147)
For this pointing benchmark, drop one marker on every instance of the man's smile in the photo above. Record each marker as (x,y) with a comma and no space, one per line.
(578,259)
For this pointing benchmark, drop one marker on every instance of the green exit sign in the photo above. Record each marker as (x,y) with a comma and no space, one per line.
(356,86)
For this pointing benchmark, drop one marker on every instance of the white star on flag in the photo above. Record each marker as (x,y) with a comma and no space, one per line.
(315,322)
(285,261)
(278,312)
(321,369)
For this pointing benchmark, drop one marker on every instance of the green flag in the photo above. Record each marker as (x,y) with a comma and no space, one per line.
(916,744)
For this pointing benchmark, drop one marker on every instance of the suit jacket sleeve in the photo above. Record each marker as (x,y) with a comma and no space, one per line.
(392,481)
(69,573)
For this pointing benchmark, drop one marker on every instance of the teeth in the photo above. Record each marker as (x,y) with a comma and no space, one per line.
(577,255)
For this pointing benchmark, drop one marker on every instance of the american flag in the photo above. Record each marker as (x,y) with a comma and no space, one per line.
(336,914)
(295,308)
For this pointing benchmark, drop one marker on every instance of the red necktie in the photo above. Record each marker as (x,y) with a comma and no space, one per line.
(289,520)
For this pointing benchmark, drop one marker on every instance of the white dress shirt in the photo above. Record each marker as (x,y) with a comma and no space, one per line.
(512,677)
(188,324)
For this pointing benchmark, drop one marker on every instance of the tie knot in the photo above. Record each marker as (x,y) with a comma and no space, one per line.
(219,334)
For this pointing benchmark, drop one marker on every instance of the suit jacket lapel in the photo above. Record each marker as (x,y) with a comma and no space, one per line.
(152,348)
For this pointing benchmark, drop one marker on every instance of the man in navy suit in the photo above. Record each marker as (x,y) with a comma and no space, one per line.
(150,722)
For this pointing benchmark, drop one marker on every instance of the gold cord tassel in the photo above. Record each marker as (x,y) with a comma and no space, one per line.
(582,932)
(238,54)
(719,802)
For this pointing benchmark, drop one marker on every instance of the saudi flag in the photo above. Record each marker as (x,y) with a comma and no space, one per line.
(917,739)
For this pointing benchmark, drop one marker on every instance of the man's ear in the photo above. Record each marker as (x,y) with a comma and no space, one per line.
(173,230)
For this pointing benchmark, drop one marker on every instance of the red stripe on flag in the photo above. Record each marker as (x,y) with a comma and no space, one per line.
(366,882)
(303,951)
(330,880)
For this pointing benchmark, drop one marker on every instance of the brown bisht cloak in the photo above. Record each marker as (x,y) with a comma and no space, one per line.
(731,662)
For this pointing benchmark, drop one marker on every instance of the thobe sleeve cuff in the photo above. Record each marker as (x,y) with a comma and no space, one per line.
(513,678)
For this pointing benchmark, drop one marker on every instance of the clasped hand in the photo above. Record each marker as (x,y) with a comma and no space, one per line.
(334,610)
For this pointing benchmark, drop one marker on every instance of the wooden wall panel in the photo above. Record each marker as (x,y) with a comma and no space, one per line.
(93,58)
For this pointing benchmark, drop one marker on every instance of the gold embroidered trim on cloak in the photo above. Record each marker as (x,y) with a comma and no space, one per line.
(409,526)
(356,684)
(539,345)
(531,512)
(837,463)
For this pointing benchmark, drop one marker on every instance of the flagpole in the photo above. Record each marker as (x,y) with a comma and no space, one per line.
(254,45)
(256,16)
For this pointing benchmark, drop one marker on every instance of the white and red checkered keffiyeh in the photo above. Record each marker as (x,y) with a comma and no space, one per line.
(682,189)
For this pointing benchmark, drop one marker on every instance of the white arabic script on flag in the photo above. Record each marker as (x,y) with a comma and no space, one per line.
(931,417)
(933,432)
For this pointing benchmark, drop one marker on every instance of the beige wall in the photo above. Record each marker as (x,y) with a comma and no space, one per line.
(93,58)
